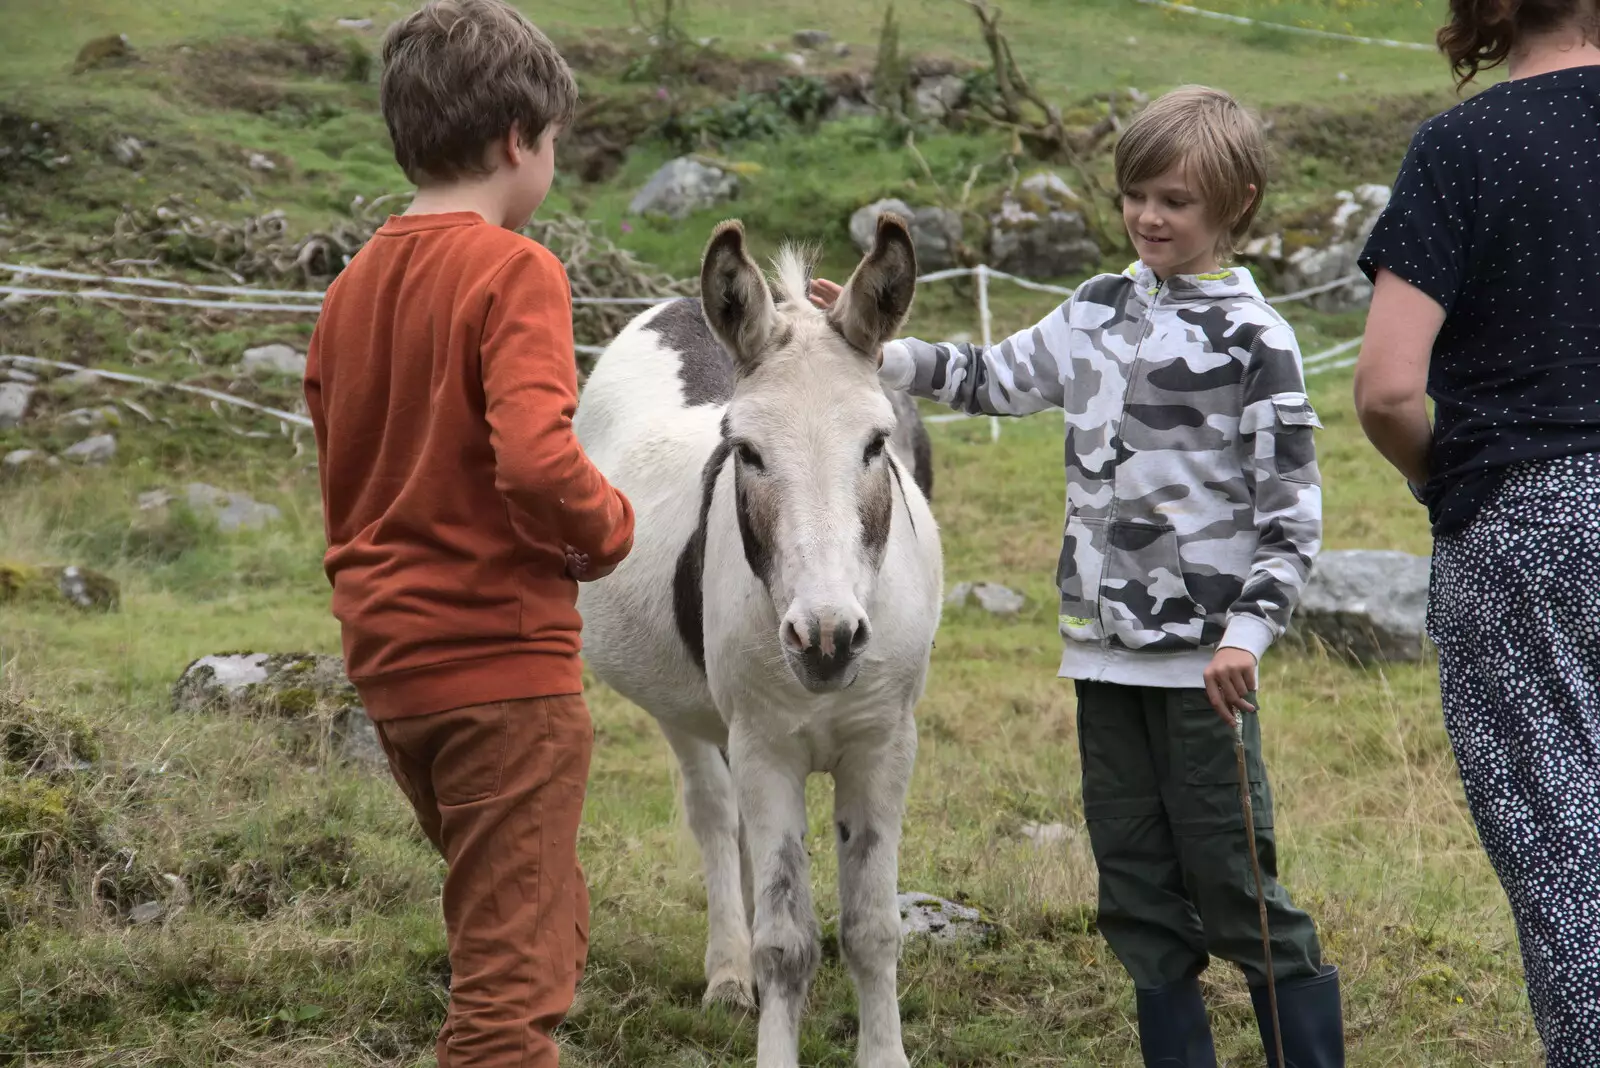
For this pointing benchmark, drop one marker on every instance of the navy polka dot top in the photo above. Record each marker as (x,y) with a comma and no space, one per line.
(1496,216)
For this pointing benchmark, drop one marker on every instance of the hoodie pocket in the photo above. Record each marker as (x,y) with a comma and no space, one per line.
(1078,577)
(1144,599)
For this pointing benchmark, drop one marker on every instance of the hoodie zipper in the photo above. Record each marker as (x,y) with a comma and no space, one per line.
(1122,416)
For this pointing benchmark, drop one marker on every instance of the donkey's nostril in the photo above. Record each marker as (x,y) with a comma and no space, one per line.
(793,638)
(862,636)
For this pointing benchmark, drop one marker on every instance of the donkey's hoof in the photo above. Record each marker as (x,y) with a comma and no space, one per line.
(730,990)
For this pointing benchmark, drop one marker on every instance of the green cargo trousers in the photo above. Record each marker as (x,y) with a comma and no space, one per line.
(1161,798)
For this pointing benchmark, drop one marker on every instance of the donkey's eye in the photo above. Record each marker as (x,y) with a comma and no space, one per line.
(750,458)
(875,448)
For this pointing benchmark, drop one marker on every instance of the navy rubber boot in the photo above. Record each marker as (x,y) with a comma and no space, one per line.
(1312,1019)
(1173,1029)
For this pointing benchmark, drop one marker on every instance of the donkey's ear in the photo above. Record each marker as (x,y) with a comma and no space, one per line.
(738,304)
(878,296)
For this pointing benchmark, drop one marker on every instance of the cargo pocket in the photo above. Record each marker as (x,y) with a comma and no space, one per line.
(1145,600)
(1078,576)
(1203,747)
(1294,448)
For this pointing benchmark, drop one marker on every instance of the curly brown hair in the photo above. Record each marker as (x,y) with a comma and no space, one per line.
(457,75)
(1482,34)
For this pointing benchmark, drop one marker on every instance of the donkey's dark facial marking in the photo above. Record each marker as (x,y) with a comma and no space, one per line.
(758,523)
(704,367)
(688,580)
(876,508)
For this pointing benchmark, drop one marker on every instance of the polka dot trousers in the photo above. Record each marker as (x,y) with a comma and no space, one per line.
(1515,610)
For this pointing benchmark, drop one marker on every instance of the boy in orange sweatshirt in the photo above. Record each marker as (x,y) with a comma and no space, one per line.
(461,513)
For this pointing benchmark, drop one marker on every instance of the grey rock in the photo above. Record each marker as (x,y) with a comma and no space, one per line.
(991,597)
(812,38)
(127,150)
(1044,835)
(935,232)
(1343,226)
(25,377)
(259,162)
(353,24)
(797,60)
(232,511)
(308,690)
(1040,232)
(934,918)
(21,457)
(682,187)
(149,912)
(273,360)
(15,398)
(864,223)
(96,450)
(78,587)
(153,499)
(1367,604)
(78,379)
(842,51)
(847,107)
(87,589)
(936,97)
(92,418)
(998,600)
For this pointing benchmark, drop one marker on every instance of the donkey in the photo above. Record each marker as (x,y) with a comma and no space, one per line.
(778,610)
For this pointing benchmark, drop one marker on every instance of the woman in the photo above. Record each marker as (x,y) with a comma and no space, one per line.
(1487,273)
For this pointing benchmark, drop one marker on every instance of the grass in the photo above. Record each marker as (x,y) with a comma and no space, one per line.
(301,924)
(310,935)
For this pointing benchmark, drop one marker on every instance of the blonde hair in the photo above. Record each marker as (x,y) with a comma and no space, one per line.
(1217,142)
(457,75)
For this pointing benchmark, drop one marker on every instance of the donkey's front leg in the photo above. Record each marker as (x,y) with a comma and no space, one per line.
(787,948)
(870,787)
(712,807)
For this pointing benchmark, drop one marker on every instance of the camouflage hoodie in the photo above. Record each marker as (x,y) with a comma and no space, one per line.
(1194,504)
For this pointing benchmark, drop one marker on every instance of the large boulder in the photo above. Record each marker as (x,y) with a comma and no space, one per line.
(302,687)
(1368,604)
(1040,231)
(682,187)
(1319,247)
(935,232)
(78,587)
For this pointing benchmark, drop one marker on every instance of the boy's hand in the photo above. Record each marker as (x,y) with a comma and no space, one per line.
(1230,679)
(825,294)
(578,566)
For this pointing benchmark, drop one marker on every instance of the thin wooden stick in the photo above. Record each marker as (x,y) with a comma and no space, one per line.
(1261,894)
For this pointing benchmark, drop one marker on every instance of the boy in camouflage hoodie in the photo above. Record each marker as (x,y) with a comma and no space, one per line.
(1194,510)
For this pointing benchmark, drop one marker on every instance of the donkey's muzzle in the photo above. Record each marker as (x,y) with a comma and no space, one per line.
(825,654)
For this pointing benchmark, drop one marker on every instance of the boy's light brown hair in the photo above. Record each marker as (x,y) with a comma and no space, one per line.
(457,75)
(1219,144)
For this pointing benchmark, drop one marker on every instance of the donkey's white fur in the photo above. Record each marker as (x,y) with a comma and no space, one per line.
(805,408)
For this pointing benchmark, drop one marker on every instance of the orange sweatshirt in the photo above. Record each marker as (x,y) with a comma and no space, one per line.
(441,386)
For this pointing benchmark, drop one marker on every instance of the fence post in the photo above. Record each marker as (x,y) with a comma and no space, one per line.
(987,322)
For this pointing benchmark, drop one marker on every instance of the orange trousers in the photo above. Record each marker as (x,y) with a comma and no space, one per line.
(499,791)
